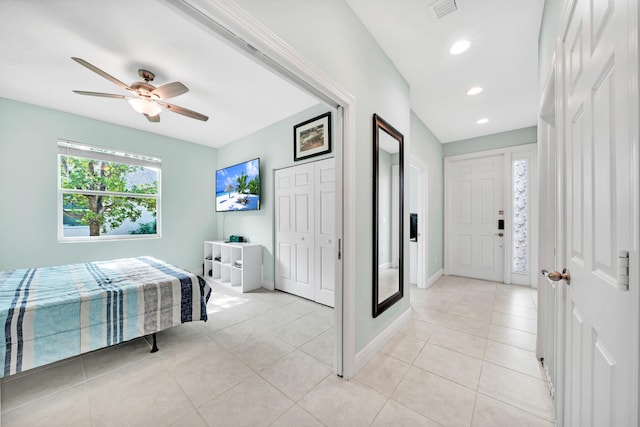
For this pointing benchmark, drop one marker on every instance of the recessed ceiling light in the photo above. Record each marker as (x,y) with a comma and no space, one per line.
(474,90)
(482,121)
(459,47)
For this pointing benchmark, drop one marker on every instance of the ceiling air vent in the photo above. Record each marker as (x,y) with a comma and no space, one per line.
(443,7)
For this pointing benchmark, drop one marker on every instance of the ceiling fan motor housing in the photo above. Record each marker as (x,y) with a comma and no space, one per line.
(144,89)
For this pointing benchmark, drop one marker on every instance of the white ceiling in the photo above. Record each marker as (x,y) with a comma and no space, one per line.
(502,58)
(38,39)
(239,95)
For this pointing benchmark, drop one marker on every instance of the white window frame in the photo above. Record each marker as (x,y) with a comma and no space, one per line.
(75,149)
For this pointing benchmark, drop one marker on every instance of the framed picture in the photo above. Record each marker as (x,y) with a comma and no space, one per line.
(312,138)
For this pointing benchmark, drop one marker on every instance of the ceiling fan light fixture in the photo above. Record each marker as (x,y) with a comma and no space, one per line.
(459,47)
(144,106)
(475,90)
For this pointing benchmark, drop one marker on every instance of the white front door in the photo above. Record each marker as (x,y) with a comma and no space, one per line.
(294,230)
(325,231)
(601,358)
(475,199)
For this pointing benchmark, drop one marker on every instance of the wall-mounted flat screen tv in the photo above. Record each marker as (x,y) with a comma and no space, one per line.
(238,187)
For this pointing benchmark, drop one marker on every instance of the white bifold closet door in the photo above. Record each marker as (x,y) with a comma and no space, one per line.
(305,241)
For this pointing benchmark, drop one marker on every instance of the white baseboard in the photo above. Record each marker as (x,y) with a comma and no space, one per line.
(268,285)
(434,277)
(371,349)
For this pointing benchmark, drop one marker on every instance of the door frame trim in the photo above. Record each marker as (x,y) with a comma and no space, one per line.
(507,153)
(234,25)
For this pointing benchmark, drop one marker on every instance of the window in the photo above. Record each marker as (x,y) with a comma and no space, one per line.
(105,194)
(520,185)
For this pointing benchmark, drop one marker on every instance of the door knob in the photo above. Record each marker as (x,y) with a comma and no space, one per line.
(556,276)
(500,234)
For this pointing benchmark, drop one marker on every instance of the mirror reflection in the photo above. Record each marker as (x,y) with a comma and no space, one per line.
(388,203)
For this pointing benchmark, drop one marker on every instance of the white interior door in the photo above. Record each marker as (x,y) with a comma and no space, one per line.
(294,230)
(476,196)
(325,231)
(601,361)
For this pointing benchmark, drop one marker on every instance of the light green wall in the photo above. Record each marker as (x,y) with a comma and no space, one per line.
(329,34)
(491,142)
(28,171)
(547,37)
(274,146)
(428,150)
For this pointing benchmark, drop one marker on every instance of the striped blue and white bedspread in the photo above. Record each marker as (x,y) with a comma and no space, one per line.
(53,313)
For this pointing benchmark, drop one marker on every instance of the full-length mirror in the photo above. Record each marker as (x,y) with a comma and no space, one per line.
(388,200)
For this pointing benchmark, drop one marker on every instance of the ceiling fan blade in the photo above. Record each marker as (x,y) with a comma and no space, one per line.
(183,111)
(170,90)
(153,119)
(105,95)
(102,73)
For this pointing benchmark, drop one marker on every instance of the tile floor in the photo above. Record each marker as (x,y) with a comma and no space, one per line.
(265,358)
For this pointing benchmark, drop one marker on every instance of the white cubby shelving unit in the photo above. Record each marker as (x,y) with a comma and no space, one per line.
(234,265)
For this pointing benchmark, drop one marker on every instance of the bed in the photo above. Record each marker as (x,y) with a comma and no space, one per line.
(53,313)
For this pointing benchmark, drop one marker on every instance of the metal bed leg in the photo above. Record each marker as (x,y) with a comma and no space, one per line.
(154,348)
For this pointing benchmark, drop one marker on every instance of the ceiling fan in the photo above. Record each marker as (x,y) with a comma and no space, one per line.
(147,99)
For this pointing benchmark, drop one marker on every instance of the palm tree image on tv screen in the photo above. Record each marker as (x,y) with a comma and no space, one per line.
(238,187)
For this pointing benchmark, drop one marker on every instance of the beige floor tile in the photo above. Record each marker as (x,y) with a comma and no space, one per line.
(299,332)
(439,301)
(515,358)
(515,310)
(324,316)
(298,417)
(193,419)
(252,403)
(459,341)
(522,300)
(179,336)
(64,408)
(449,364)
(84,422)
(106,360)
(142,393)
(467,325)
(322,347)
(418,329)
(40,383)
(515,322)
(519,390)
(451,284)
(473,287)
(473,311)
(513,337)
(336,402)
(296,374)
(383,373)
(428,315)
(403,347)
(262,351)
(480,300)
(393,414)
(439,399)
(493,413)
(207,372)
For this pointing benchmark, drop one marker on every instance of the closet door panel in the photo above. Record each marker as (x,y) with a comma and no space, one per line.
(325,231)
